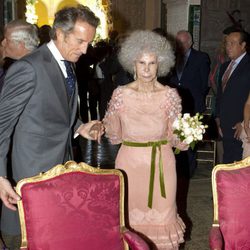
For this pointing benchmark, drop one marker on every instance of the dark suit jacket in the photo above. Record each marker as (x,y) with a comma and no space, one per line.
(230,103)
(193,85)
(37,111)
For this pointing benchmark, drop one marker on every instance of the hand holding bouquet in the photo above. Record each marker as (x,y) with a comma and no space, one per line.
(189,129)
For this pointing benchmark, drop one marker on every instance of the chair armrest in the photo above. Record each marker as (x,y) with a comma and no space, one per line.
(134,241)
(216,238)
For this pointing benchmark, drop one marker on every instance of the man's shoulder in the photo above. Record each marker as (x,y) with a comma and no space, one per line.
(247,58)
(199,53)
(37,54)
(199,57)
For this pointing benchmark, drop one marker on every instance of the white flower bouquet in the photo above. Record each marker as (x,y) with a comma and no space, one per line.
(189,129)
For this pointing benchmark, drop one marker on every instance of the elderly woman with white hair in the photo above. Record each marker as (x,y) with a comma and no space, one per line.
(140,116)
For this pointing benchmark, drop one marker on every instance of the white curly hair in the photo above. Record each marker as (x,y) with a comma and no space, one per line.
(141,41)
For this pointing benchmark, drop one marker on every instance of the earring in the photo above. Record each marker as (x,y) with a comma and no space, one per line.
(135,76)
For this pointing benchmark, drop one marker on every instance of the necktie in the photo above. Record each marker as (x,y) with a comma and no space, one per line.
(71,78)
(227,74)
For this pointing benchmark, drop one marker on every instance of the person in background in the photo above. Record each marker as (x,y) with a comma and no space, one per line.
(232,95)
(140,117)
(84,72)
(38,107)
(99,89)
(214,84)
(191,72)
(190,77)
(44,34)
(114,74)
(20,38)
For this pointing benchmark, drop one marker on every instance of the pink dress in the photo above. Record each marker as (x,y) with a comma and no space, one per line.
(245,143)
(141,117)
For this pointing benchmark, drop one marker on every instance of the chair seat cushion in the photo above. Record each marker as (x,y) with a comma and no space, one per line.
(234,205)
(62,205)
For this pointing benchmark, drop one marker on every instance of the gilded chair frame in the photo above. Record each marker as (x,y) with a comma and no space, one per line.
(225,167)
(68,167)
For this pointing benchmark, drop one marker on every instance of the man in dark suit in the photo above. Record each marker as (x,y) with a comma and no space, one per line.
(232,95)
(190,77)
(38,107)
(190,74)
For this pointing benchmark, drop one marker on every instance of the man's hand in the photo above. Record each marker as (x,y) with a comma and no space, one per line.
(238,129)
(7,194)
(92,130)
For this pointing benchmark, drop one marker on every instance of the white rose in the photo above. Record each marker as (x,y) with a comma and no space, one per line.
(186,115)
(187,131)
(185,124)
(189,139)
(176,124)
(199,137)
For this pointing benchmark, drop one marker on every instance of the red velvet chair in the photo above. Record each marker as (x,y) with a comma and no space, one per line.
(75,207)
(231,197)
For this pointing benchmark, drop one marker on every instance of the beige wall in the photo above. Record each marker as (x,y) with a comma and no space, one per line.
(198,2)
(177,14)
(152,14)
(140,14)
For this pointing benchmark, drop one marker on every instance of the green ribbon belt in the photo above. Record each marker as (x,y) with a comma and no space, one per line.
(154,145)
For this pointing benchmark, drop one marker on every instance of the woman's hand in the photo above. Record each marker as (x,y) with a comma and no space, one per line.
(238,129)
(92,130)
(247,130)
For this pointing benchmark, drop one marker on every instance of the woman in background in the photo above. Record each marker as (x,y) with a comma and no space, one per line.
(245,134)
(140,116)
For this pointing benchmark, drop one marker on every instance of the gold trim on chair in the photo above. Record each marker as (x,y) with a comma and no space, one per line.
(60,169)
(225,167)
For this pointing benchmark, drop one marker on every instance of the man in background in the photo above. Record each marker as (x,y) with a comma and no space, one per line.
(20,38)
(232,95)
(190,77)
(38,107)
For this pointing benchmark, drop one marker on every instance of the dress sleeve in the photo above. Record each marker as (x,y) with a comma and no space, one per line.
(173,109)
(111,121)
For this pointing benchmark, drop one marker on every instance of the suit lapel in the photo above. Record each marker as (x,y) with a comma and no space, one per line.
(185,69)
(237,70)
(58,83)
(56,76)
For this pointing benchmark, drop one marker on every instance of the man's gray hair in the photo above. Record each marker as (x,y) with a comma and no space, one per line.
(22,31)
(188,35)
(66,18)
(141,41)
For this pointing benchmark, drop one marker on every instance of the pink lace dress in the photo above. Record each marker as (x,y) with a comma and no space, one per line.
(245,143)
(142,117)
